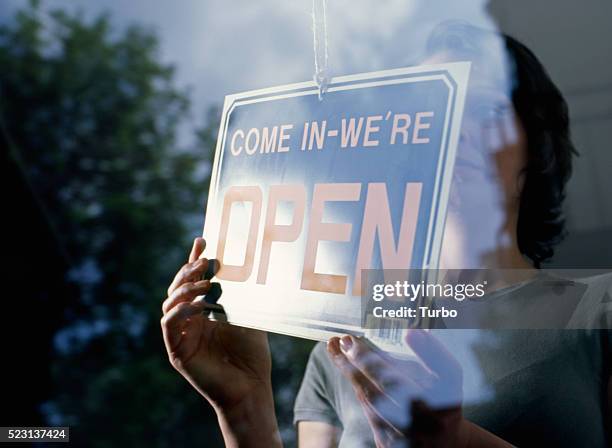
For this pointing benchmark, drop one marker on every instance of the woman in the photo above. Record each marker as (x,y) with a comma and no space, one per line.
(544,388)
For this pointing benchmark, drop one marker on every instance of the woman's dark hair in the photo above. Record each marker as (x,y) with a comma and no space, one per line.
(544,115)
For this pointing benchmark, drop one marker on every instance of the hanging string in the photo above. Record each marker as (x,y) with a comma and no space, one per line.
(319,32)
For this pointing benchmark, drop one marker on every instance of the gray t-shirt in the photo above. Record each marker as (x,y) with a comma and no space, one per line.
(529,387)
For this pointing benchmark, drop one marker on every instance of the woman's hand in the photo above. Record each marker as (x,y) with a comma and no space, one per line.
(230,366)
(406,399)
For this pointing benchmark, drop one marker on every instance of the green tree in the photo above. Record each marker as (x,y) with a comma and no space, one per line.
(91,116)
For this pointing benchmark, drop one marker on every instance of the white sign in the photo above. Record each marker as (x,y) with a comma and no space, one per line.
(307,193)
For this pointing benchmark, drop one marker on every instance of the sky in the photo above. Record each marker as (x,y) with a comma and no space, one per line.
(221,47)
(216,49)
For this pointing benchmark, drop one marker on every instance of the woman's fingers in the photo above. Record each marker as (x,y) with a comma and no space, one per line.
(385,434)
(367,360)
(434,354)
(387,387)
(366,387)
(393,377)
(199,244)
(182,320)
(173,324)
(190,272)
(448,388)
(368,391)
(185,293)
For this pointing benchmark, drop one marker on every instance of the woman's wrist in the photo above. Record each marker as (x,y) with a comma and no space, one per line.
(464,433)
(251,422)
(474,436)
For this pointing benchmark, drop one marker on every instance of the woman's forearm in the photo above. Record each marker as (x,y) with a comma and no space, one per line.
(478,437)
(251,423)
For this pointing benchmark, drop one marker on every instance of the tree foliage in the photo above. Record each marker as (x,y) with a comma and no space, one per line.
(89,116)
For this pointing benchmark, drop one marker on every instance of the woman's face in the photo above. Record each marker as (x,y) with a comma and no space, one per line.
(487,178)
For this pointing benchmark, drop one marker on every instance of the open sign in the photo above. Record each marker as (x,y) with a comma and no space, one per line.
(305,194)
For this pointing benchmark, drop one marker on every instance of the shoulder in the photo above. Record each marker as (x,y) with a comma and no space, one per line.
(594,310)
(319,360)
(319,351)
(321,371)
(602,281)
